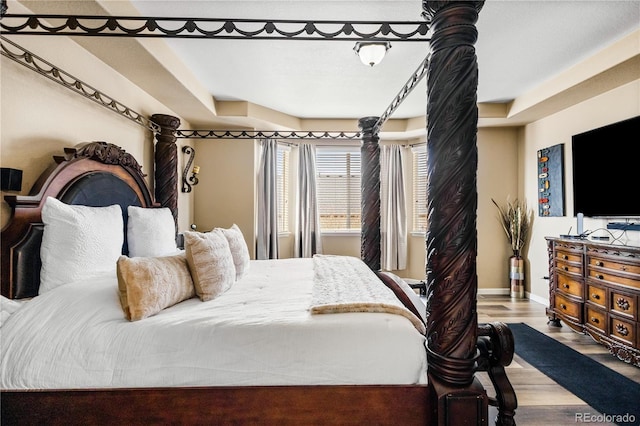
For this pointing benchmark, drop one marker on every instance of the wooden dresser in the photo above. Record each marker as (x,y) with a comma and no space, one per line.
(594,288)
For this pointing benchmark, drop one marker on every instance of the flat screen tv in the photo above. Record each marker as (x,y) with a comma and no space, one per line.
(606,171)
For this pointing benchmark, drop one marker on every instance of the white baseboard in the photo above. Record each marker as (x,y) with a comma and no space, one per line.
(541,300)
(505,292)
(494,291)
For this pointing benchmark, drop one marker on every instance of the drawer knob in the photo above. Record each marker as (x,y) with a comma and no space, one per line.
(622,303)
(622,330)
(595,320)
(600,276)
(563,306)
(599,263)
(565,285)
(566,268)
(595,296)
(565,257)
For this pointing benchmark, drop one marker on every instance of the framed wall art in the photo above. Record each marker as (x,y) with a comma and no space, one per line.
(551,181)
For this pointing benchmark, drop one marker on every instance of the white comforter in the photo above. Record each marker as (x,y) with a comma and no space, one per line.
(260,332)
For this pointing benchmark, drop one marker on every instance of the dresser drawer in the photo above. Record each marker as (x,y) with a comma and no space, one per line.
(624,304)
(614,265)
(597,295)
(568,256)
(565,306)
(621,329)
(596,319)
(569,285)
(601,276)
(563,266)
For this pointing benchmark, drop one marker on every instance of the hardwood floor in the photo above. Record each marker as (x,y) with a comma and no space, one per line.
(540,400)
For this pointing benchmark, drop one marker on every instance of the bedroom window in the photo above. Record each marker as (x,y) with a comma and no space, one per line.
(283,168)
(419,188)
(338,188)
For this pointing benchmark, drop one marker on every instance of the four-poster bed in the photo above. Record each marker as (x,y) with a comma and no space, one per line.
(456,346)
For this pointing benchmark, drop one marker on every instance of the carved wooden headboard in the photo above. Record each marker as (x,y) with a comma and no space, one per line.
(95,174)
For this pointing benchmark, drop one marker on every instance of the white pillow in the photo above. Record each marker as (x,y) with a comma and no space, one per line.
(78,242)
(151,232)
(239,249)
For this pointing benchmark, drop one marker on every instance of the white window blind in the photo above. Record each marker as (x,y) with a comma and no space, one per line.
(338,188)
(419,188)
(283,167)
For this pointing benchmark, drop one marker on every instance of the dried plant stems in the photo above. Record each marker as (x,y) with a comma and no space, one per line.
(515,219)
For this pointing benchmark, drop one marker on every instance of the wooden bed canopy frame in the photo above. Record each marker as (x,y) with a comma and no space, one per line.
(457,346)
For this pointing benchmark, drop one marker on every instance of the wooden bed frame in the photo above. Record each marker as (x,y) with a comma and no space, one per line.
(457,347)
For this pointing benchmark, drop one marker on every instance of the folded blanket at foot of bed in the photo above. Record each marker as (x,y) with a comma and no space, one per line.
(346,284)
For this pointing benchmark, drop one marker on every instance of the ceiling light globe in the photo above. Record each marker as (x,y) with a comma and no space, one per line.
(372,53)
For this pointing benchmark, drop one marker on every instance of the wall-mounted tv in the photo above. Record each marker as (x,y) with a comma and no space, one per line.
(606,171)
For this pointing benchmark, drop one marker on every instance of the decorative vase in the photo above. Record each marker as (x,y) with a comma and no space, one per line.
(516,276)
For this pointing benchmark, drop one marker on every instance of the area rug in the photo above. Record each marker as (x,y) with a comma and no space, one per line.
(605,390)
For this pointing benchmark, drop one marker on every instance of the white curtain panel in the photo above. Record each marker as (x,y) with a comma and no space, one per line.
(393,211)
(307,241)
(267,235)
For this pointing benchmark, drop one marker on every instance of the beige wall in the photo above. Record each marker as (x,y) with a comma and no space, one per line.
(498,180)
(610,107)
(39,118)
(226,193)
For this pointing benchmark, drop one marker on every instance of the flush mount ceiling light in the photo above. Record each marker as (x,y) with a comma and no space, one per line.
(372,52)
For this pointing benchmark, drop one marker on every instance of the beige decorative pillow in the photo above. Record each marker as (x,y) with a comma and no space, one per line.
(239,249)
(210,262)
(147,285)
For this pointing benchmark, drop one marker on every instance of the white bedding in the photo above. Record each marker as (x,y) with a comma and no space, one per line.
(260,332)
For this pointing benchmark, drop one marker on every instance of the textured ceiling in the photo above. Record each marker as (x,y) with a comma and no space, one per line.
(521,44)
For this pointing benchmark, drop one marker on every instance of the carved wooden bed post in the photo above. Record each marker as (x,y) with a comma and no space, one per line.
(452,118)
(370,250)
(166,163)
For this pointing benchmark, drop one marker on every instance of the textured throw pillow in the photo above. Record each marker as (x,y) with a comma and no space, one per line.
(151,232)
(210,262)
(147,285)
(239,249)
(78,242)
